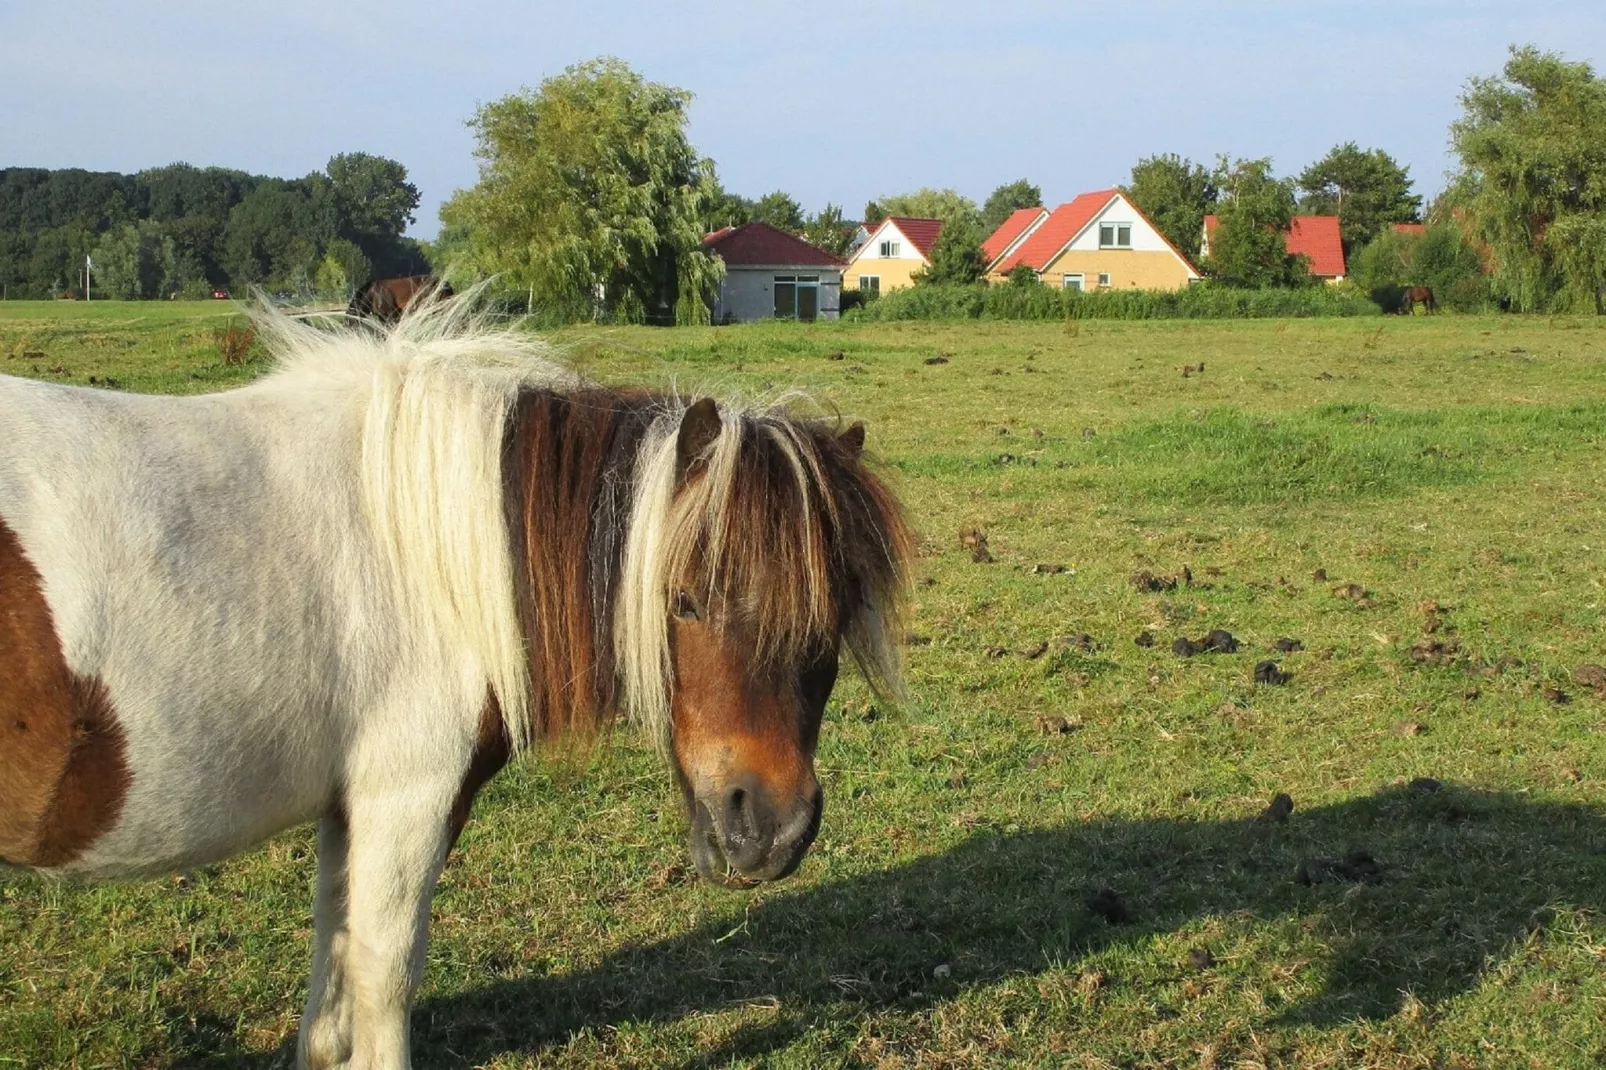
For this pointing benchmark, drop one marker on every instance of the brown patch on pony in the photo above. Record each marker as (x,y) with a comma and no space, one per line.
(568,471)
(63,768)
(386,299)
(725,721)
(492,749)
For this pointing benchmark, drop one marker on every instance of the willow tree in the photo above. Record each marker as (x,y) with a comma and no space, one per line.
(591,196)
(1532,182)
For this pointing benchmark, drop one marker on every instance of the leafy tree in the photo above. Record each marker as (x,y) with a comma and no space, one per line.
(134,261)
(1005,200)
(781,211)
(874,213)
(726,209)
(451,256)
(1382,267)
(56,261)
(588,183)
(829,231)
(1176,194)
(345,268)
(274,236)
(948,205)
(1443,258)
(1249,245)
(956,256)
(372,194)
(1532,182)
(1366,188)
(372,204)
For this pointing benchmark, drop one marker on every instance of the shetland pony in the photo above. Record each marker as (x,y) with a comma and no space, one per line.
(385,300)
(354,589)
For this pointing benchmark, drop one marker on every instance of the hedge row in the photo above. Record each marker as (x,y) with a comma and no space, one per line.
(1011,301)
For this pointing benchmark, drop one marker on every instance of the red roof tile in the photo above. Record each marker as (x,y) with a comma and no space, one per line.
(1410,228)
(759,244)
(1062,224)
(1317,236)
(1013,227)
(1313,236)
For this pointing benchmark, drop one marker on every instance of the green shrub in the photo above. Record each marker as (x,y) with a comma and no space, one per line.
(1037,302)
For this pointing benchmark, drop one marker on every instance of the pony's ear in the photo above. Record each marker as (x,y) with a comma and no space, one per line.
(852,439)
(698,429)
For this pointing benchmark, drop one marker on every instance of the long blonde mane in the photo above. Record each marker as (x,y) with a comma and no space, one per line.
(491,482)
(439,386)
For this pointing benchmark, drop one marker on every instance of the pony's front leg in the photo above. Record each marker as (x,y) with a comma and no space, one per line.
(397,845)
(325,1040)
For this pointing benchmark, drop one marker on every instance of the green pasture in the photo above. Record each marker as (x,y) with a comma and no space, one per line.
(1054,853)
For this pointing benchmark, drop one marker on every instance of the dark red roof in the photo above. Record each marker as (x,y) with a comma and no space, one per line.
(1313,236)
(759,244)
(922,233)
(1013,227)
(1062,224)
(1410,228)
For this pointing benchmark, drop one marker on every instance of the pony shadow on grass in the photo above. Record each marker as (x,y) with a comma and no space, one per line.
(1462,876)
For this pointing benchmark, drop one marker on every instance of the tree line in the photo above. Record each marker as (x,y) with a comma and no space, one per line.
(183,231)
(592,202)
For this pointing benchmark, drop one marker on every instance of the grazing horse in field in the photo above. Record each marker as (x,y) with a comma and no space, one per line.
(386,299)
(353,590)
(1417,295)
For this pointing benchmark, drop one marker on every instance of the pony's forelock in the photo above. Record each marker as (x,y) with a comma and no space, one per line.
(801,541)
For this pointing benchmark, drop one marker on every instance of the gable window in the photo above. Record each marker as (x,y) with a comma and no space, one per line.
(1104,280)
(1073,282)
(1115,235)
(870,284)
(890,250)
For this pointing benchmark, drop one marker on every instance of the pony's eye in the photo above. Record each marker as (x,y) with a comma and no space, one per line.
(685,608)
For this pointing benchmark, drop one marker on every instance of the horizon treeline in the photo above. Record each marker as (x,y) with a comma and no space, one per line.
(184,231)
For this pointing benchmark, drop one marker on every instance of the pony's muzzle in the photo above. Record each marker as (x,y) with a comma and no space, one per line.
(740,834)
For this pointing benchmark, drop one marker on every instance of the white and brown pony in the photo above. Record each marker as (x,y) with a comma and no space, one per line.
(354,589)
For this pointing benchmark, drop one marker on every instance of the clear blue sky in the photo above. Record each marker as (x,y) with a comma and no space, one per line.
(829,101)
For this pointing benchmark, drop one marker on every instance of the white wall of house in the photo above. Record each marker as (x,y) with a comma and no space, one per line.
(748,293)
(1145,238)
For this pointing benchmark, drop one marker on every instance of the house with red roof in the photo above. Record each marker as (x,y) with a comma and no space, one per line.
(1096,241)
(1315,237)
(897,248)
(770,274)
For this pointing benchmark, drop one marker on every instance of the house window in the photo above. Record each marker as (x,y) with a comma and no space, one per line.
(1073,282)
(1104,280)
(1115,235)
(890,250)
(870,284)
(797,297)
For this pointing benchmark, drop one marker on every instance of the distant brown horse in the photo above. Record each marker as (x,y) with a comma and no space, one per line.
(385,300)
(1417,295)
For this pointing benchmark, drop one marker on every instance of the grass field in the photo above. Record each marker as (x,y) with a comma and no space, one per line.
(1046,857)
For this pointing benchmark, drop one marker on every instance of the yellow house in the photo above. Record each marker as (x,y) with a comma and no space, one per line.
(1099,241)
(898,247)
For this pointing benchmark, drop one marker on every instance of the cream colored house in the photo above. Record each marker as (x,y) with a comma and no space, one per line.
(1099,241)
(897,247)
